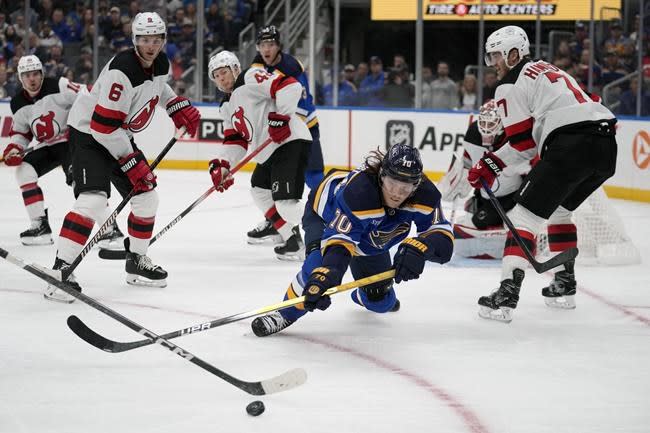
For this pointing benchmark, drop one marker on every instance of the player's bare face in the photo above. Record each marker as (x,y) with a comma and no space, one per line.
(394,192)
(269,51)
(224,79)
(497,61)
(32,81)
(149,46)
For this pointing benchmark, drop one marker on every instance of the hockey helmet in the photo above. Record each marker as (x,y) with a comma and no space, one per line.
(489,121)
(268,33)
(402,163)
(224,59)
(28,64)
(505,40)
(148,23)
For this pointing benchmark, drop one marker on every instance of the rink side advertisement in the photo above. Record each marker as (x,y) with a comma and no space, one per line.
(348,135)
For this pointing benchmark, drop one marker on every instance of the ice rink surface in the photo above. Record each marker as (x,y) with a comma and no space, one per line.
(434,366)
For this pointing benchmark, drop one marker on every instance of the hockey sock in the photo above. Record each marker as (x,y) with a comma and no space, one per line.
(33,199)
(293,291)
(75,231)
(140,231)
(513,255)
(561,237)
(278,223)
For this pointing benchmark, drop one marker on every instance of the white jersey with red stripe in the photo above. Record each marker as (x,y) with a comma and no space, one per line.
(245,113)
(43,118)
(534,100)
(122,101)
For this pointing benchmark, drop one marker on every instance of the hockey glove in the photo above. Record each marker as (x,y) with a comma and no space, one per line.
(487,168)
(320,280)
(13,154)
(279,127)
(220,173)
(136,168)
(409,260)
(183,113)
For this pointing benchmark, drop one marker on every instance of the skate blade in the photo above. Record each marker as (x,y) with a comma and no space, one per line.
(39,240)
(292,257)
(561,302)
(503,314)
(138,280)
(268,240)
(54,294)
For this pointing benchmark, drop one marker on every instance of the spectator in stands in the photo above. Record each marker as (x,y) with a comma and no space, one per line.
(612,69)
(347,89)
(490,82)
(582,72)
(83,68)
(76,15)
(7,88)
(443,89)
(177,68)
(186,44)
(18,52)
(112,28)
(3,24)
(214,24)
(175,27)
(134,9)
(427,89)
(19,26)
(61,27)
(577,44)
(628,100)
(399,62)
(563,55)
(47,37)
(35,47)
(11,40)
(20,11)
(619,43)
(370,88)
(122,41)
(468,93)
(396,92)
(180,88)
(89,35)
(55,66)
(361,74)
(190,12)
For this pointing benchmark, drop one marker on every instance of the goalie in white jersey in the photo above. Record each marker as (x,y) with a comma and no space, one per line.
(102,124)
(262,106)
(40,114)
(544,112)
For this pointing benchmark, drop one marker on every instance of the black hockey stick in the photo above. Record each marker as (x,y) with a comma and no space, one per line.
(108,254)
(113,216)
(85,333)
(540,267)
(283,382)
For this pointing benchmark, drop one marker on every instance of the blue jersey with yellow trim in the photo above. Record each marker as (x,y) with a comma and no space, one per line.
(351,206)
(290,66)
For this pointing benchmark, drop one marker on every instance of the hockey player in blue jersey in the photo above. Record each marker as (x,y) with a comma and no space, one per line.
(353,219)
(271,57)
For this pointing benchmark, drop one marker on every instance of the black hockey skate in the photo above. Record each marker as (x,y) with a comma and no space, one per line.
(499,305)
(39,233)
(273,323)
(293,249)
(141,272)
(264,233)
(53,293)
(562,290)
(113,239)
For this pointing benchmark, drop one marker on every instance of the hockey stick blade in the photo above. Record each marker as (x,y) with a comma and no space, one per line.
(107,254)
(283,382)
(91,337)
(540,267)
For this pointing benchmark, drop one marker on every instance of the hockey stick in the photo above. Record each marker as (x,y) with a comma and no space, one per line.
(85,333)
(107,254)
(283,382)
(113,216)
(540,267)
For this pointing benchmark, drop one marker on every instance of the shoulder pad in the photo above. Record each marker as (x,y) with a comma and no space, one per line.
(128,63)
(362,192)
(472,135)
(289,65)
(258,61)
(19,101)
(426,195)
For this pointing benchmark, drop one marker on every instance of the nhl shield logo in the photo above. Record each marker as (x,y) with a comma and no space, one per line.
(399,132)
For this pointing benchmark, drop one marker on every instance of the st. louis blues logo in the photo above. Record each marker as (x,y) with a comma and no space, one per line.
(379,239)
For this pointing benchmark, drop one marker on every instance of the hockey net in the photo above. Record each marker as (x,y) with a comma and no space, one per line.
(602,239)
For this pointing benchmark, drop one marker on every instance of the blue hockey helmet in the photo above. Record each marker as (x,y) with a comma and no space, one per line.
(403,163)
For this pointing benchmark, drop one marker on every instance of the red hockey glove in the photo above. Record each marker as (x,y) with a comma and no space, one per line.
(136,168)
(183,113)
(487,168)
(13,154)
(279,127)
(220,173)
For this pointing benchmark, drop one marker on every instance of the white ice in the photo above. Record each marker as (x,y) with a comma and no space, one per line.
(434,366)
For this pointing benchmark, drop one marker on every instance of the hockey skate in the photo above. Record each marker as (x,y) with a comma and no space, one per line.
(39,233)
(501,303)
(53,293)
(293,248)
(140,271)
(112,240)
(269,324)
(562,290)
(263,233)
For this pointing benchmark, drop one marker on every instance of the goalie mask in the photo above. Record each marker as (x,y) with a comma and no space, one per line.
(224,59)
(489,121)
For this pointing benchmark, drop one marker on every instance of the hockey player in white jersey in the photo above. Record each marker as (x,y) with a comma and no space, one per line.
(40,113)
(544,112)
(480,232)
(102,124)
(261,106)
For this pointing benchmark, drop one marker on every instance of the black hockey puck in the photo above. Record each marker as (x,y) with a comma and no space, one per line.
(255,408)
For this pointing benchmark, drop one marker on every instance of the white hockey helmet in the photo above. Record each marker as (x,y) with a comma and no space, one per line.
(148,23)
(28,64)
(224,59)
(489,121)
(505,40)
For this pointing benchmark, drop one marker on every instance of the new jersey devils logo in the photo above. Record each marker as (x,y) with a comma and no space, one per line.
(143,117)
(242,124)
(45,127)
